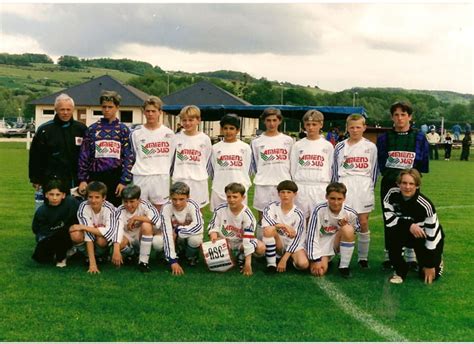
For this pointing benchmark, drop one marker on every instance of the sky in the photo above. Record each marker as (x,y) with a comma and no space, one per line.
(334,45)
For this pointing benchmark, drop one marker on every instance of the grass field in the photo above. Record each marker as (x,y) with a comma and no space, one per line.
(44,303)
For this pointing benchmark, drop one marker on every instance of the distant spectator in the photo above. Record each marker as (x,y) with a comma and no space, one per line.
(333,135)
(302,134)
(456,131)
(466,146)
(433,139)
(424,129)
(467,127)
(448,144)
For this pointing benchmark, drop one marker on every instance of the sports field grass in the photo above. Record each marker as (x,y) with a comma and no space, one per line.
(44,303)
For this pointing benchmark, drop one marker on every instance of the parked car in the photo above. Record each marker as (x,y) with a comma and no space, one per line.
(8,129)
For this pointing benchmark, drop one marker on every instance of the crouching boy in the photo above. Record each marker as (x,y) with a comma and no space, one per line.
(234,221)
(97,227)
(182,225)
(51,224)
(138,219)
(331,229)
(283,230)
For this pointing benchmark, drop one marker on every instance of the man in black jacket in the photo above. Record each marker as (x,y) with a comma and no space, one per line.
(55,147)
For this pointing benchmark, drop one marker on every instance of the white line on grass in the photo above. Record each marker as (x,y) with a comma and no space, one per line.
(376,217)
(357,313)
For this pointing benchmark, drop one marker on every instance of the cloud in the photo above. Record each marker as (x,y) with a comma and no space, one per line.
(96,29)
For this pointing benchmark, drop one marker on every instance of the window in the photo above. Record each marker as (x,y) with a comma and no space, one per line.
(48,112)
(126,116)
(97,113)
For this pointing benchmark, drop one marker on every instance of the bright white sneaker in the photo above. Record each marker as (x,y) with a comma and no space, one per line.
(61,264)
(395,279)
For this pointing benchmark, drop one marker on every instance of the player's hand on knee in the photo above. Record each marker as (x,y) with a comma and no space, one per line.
(176,269)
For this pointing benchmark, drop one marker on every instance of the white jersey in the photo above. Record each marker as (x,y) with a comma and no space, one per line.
(192,156)
(186,223)
(105,221)
(238,229)
(323,223)
(271,159)
(154,150)
(230,163)
(273,214)
(145,208)
(359,159)
(311,161)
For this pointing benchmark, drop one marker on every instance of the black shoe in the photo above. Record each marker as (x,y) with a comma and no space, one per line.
(387,265)
(345,272)
(364,264)
(413,266)
(192,261)
(129,260)
(144,267)
(271,269)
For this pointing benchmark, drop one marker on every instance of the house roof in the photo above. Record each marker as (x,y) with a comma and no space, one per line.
(203,93)
(88,93)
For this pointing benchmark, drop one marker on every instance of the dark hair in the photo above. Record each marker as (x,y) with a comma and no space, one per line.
(235,188)
(131,192)
(179,188)
(96,187)
(110,96)
(271,111)
(230,119)
(54,184)
(287,185)
(405,106)
(336,187)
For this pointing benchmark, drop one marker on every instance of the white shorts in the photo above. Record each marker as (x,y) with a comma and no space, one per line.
(310,195)
(199,191)
(133,238)
(326,244)
(155,188)
(263,195)
(217,200)
(360,194)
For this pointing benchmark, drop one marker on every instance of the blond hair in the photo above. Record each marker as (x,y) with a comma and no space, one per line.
(355,117)
(190,111)
(153,101)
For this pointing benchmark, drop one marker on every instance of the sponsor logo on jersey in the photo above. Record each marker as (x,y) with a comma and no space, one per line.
(231,232)
(307,160)
(155,148)
(356,162)
(328,229)
(189,155)
(274,154)
(229,160)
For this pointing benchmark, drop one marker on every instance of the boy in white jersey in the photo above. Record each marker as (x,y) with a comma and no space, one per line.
(137,220)
(270,160)
(234,220)
(311,163)
(97,227)
(331,229)
(153,144)
(230,161)
(193,151)
(355,165)
(182,224)
(284,230)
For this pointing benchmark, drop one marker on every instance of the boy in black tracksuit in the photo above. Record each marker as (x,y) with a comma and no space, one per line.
(412,222)
(51,224)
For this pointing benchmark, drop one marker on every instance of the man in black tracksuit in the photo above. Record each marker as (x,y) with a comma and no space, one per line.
(55,148)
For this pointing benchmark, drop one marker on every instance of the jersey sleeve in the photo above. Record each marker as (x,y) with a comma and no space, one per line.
(86,155)
(110,226)
(248,239)
(215,223)
(168,239)
(313,248)
(196,225)
(127,156)
(300,232)
(267,220)
(337,161)
(393,217)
